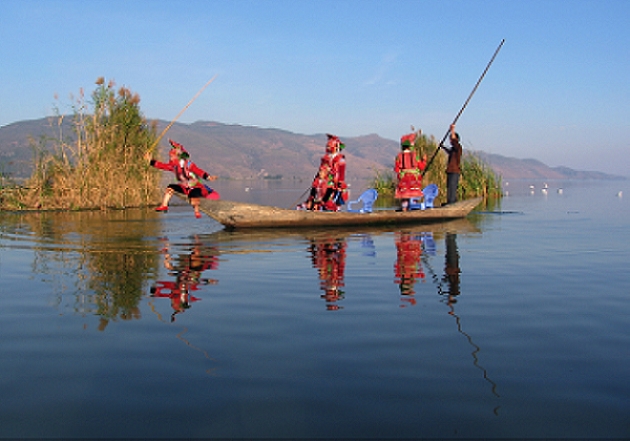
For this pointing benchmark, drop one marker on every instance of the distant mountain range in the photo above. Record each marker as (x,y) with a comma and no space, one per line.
(245,152)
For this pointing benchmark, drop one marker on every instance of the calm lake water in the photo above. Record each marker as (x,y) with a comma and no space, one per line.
(512,323)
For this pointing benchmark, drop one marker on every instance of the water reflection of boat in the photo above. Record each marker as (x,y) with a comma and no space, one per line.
(237,215)
(327,250)
(250,238)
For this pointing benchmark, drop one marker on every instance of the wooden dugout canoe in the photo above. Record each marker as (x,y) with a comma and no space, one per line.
(237,215)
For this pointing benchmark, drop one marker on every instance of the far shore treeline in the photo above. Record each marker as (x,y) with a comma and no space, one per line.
(102,163)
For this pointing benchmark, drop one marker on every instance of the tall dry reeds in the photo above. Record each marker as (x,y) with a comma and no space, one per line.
(100,165)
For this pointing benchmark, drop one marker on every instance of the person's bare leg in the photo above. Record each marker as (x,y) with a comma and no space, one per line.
(195,203)
(168,194)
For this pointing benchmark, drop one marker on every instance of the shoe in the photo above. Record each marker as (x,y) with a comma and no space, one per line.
(198,215)
(163,208)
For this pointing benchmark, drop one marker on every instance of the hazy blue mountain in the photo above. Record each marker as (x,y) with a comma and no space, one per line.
(244,152)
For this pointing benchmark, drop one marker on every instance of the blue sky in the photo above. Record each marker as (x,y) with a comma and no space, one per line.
(558,91)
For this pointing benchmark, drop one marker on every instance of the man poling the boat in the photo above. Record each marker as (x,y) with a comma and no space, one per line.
(188,176)
(451,127)
(408,168)
(329,190)
(453,166)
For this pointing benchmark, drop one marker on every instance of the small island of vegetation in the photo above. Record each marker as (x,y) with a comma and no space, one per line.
(100,165)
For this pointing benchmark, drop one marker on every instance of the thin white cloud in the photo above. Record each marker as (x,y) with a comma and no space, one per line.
(383,69)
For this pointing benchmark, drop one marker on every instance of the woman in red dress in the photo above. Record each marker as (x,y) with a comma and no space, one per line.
(408,169)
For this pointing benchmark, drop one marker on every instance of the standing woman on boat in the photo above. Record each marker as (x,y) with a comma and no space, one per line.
(409,171)
(188,176)
(453,166)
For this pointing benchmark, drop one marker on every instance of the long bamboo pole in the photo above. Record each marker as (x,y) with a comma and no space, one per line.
(463,107)
(182,111)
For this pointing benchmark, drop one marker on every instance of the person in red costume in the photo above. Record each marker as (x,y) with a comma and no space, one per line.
(328,256)
(408,267)
(318,190)
(188,176)
(329,189)
(188,269)
(337,195)
(409,171)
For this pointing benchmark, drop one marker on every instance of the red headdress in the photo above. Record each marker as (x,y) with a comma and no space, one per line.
(408,140)
(176,145)
(334,143)
(180,148)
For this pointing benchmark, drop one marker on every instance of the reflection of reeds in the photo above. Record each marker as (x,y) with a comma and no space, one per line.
(477,178)
(99,263)
(101,164)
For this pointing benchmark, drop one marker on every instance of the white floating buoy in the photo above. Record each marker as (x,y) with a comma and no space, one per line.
(246,188)
(620,194)
(559,191)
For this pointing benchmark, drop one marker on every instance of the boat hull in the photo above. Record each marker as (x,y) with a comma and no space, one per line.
(237,215)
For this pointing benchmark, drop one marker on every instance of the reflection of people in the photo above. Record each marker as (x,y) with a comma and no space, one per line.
(451,267)
(187,269)
(329,257)
(329,189)
(408,169)
(188,176)
(178,292)
(453,166)
(408,268)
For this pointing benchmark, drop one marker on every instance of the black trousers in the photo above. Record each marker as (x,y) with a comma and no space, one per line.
(452,182)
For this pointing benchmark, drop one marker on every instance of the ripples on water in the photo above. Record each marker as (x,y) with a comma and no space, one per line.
(512,323)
